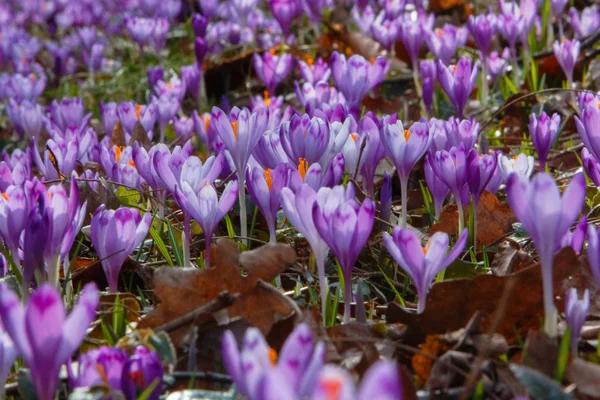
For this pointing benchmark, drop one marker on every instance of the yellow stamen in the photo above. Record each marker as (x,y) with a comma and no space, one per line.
(406,134)
(268,178)
(234,126)
(138,111)
(273,356)
(332,389)
(302,167)
(267,98)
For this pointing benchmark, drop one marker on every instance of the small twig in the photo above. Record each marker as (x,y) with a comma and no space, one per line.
(225,299)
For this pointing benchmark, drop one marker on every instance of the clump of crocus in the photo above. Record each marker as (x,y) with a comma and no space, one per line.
(543,131)
(567,52)
(240,132)
(345,227)
(115,234)
(546,216)
(42,333)
(201,202)
(404,147)
(422,264)
(458,81)
(142,370)
(298,364)
(575,313)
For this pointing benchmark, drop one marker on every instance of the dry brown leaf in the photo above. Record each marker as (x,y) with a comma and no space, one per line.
(451,304)
(140,135)
(510,259)
(182,290)
(494,219)
(422,362)
(118,136)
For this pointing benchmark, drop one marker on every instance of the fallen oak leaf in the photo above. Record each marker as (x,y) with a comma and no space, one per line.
(494,219)
(451,304)
(182,290)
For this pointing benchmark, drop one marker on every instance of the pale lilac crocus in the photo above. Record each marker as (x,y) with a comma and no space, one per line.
(240,132)
(521,164)
(115,234)
(438,189)
(543,131)
(8,355)
(372,153)
(355,77)
(264,187)
(405,147)
(363,18)
(591,166)
(546,216)
(428,73)
(14,209)
(576,238)
(42,333)
(443,42)
(423,264)
(284,11)
(272,69)
(586,23)
(567,52)
(345,227)
(201,202)
(298,209)
(314,71)
(385,31)
(298,364)
(458,81)
(576,311)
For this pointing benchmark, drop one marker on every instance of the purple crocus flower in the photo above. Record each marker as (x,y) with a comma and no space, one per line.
(345,227)
(458,82)
(363,18)
(480,169)
(8,355)
(115,234)
(284,12)
(404,147)
(166,109)
(15,176)
(139,372)
(175,87)
(314,71)
(482,28)
(451,168)
(140,29)
(155,74)
(192,75)
(567,52)
(385,31)
(356,76)
(299,362)
(576,238)
(240,132)
(209,7)
(591,166)
(543,131)
(14,208)
(575,313)
(587,23)
(438,189)
(587,127)
(184,127)
(264,187)
(428,74)
(129,113)
(547,217)
(102,366)
(119,167)
(272,69)
(464,131)
(443,42)
(593,251)
(202,204)
(109,116)
(521,164)
(372,153)
(305,137)
(199,24)
(422,264)
(143,161)
(412,35)
(200,50)
(381,381)
(497,64)
(159,34)
(43,335)
(298,209)
(31,116)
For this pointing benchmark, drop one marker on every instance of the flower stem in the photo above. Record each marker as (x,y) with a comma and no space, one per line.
(242,200)
(185,240)
(418,88)
(484,82)
(347,298)
(421,304)
(404,194)
(323,286)
(550,312)
(461,216)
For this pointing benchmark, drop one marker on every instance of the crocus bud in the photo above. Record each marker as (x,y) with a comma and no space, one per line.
(591,166)
(141,370)
(575,313)
(200,50)
(199,24)
(155,74)
(284,12)
(567,52)
(458,81)
(543,131)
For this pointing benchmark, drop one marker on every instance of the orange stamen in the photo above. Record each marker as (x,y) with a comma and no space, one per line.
(169,85)
(268,178)
(267,98)
(310,61)
(118,150)
(439,32)
(302,167)
(206,122)
(234,126)
(406,134)
(102,372)
(272,51)
(5,196)
(454,68)
(354,136)
(332,389)
(132,164)
(137,377)
(138,111)
(273,356)
(372,60)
